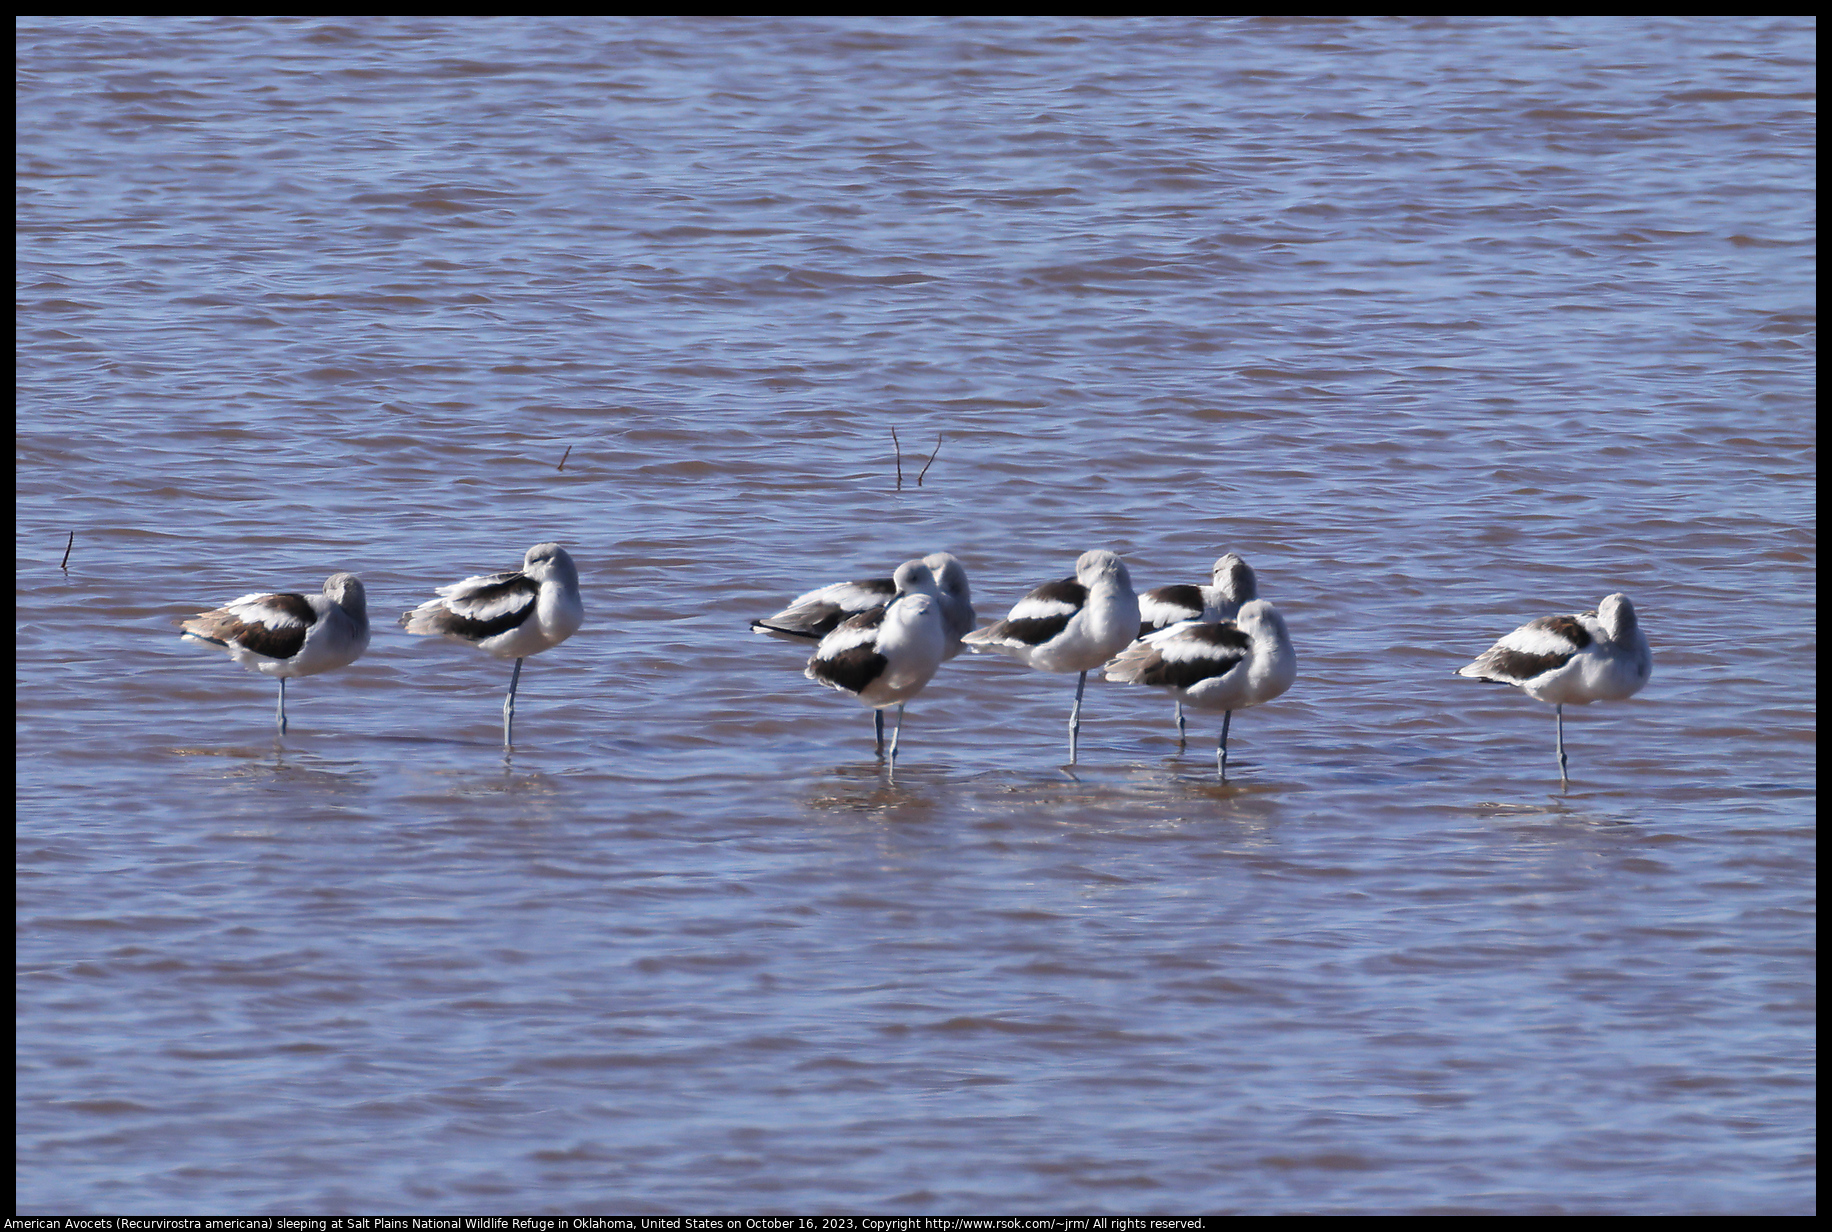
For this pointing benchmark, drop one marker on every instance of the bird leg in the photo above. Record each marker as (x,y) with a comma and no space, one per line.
(898,731)
(280,715)
(1221,748)
(877,723)
(509,706)
(1182,733)
(1075,717)
(1564,780)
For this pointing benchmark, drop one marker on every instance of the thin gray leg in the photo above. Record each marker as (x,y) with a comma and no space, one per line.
(877,723)
(1075,717)
(1182,733)
(280,715)
(897,732)
(509,706)
(1221,748)
(1564,780)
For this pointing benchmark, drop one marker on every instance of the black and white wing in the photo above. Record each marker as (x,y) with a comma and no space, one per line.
(819,612)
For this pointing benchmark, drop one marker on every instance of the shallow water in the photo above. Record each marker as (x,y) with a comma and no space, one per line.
(1442,325)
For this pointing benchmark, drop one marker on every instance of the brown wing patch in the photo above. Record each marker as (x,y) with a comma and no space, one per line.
(474,629)
(1568,627)
(1210,650)
(282,638)
(1036,630)
(852,669)
(1188,597)
(1519,665)
(1166,605)
(1068,590)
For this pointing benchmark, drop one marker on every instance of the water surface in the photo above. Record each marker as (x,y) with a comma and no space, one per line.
(1443,325)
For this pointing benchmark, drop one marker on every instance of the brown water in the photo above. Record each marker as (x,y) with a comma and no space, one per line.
(1443,325)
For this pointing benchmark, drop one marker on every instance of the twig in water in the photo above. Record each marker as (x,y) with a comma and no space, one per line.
(930,462)
(563,457)
(66,565)
(899,448)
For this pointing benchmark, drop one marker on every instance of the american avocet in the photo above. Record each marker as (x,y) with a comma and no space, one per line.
(1232,584)
(819,612)
(1224,665)
(508,615)
(912,577)
(1599,656)
(1074,625)
(884,656)
(289,635)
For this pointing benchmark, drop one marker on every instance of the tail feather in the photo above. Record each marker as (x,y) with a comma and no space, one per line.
(786,634)
(992,637)
(1130,664)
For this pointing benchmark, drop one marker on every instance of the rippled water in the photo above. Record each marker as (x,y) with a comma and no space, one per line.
(1444,325)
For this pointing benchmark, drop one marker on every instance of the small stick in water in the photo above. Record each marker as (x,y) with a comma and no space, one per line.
(899,449)
(66,565)
(930,462)
(563,457)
